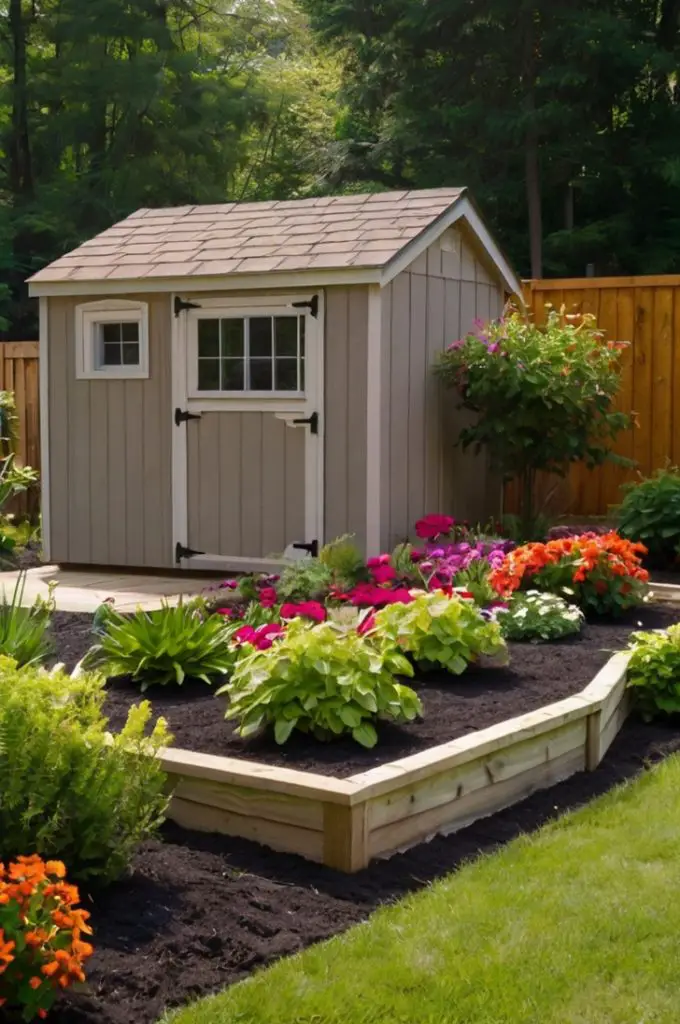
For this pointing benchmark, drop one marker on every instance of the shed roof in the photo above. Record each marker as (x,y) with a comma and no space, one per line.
(331,233)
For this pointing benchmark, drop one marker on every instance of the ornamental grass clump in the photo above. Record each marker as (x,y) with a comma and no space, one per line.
(165,646)
(69,789)
(42,928)
(439,630)
(539,617)
(654,671)
(24,633)
(326,679)
(602,574)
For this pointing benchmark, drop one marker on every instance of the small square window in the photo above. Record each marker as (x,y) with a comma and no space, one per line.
(112,340)
(254,353)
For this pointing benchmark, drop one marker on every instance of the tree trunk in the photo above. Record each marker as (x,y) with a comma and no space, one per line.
(20,169)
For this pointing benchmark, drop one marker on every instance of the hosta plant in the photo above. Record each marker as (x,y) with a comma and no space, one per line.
(326,680)
(43,947)
(436,629)
(539,617)
(654,671)
(164,646)
(650,513)
(601,573)
(68,787)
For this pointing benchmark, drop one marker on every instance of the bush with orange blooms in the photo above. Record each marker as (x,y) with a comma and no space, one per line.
(602,573)
(42,950)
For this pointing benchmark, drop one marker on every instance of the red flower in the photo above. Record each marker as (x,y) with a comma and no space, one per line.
(263,637)
(268,597)
(383,574)
(224,611)
(306,609)
(433,526)
(373,563)
(369,595)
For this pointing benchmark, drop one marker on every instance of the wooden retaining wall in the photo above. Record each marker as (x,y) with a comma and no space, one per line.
(346,823)
(644,311)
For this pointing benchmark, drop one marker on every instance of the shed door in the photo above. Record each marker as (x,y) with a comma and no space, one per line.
(248,431)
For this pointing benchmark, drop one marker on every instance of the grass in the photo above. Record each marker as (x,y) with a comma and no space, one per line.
(578,924)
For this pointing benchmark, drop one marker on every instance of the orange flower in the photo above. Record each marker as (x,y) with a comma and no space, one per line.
(35,982)
(51,968)
(56,867)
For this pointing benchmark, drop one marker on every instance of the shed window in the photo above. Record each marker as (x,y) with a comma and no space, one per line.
(112,340)
(254,354)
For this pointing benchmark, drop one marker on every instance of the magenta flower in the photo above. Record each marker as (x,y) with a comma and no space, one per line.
(263,637)
(433,526)
(227,612)
(229,585)
(369,595)
(378,560)
(268,597)
(305,609)
(383,574)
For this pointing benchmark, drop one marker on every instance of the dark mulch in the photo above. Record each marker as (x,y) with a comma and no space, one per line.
(538,674)
(201,912)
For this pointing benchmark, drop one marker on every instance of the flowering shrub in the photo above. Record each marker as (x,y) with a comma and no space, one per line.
(42,950)
(68,787)
(602,574)
(654,671)
(324,679)
(542,395)
(539,617)
(438,629)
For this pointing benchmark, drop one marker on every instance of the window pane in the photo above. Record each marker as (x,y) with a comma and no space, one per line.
(232,337)
(302,335)
(302,375)
(110,332)
(111,353)
(208,375)
(285,328)
(260,336)
(130,331)
(232,375)
(130,353)
(209,338)
(260,375)
(286,375)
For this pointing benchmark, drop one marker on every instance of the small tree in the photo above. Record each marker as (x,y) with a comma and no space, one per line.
(543,396)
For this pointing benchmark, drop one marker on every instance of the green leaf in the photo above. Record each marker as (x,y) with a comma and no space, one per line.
(365,734)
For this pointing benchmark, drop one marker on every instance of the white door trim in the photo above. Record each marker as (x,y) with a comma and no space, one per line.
(284,408)
(374,422)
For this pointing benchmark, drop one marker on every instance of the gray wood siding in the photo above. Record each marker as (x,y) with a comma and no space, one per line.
(432,303)
(345,416)
(246,484)
(110,457)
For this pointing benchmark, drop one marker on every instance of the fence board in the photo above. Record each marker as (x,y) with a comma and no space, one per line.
(19,373)
(645,311)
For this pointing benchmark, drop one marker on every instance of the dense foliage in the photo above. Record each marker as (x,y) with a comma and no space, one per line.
(68,788)
(650,513)
(438,630)
(163,646)
(23,630)
(324,679)
(601,573)
(42,949)
(539,617)
(542,395)
(654,671)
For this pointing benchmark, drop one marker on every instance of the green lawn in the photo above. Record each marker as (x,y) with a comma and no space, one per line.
(579,924)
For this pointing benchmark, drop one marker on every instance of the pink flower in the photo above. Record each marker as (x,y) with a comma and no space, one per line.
(245,635)
(373,563)
(268,597)
(369,595)
(224,611)
(229,585)
(263,637)
(417,554)
(433,526)
(383,574)
(306,609)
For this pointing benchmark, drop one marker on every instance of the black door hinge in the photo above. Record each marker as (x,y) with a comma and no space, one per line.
(312,305)
(182,416)
(311,421)
(312,547)
(182,552)
(181,305)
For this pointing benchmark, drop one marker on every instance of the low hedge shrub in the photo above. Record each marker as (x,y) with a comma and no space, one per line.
(654,671)
(650,513)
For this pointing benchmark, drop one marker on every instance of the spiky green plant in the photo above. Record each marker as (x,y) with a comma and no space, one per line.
(23,631)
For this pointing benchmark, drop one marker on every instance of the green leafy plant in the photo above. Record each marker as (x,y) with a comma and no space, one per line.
(327,680)
(542,395)
(68,787)
(163,646)
(654,671)
(307,580)
(650,513)
(539,617)
(345,561)
(436,629)
(23,631)
(475,579)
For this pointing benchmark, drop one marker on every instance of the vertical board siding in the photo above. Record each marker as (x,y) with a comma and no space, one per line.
(345,385)
(110,441)
(645,312)
(426,307)
(246,484)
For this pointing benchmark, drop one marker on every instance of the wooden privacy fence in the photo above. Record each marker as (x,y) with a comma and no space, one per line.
(644,311)
(19,373)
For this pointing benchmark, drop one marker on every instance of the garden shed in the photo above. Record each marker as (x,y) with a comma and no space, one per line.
(223,383)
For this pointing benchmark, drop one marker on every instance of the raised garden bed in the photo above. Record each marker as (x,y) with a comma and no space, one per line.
(471,756)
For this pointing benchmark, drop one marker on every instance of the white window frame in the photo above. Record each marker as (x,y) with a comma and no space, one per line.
(222,311)
(89,316)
